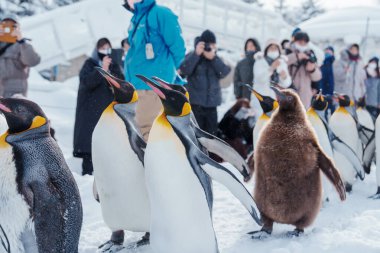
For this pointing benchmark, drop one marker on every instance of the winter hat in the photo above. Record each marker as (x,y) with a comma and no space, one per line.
(301,36)
(208,37)
(11,17)
(295,31)
(330,48)
(255,42)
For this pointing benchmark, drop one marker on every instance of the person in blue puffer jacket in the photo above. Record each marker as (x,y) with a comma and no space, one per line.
(327,82)
(157,49)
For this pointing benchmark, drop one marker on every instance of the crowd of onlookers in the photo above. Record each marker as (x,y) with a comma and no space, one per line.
(155,47)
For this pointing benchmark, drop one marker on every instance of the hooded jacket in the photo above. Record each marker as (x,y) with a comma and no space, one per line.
(349,76)
(159,26)
(14,68)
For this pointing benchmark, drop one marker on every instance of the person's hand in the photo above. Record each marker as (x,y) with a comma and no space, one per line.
(200,48)
(275,65)
(106,63)
(303,56)
(1,30)
(310,66)
(283,75)
(17,32)
(211,54)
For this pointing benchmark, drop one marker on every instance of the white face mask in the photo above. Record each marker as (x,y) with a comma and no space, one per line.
(300,48)
(107,51)
(273,54)
(372,66)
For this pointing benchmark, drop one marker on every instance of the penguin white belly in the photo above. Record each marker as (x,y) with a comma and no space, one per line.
(260,124)
(365,118)
(344,126)
(377,141)
(119,177)
(14,211)
(322,135)
(180,216)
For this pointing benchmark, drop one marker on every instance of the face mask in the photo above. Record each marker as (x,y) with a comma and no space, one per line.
(300,48)
(103,53)
(273,54)
(372,66)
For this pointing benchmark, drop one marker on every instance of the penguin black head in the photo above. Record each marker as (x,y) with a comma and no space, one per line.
(124,92)
(344,100)
(361,102)
(176,87)
(175,103)
(288,100)
(267,103)
(319,102)
(21,114)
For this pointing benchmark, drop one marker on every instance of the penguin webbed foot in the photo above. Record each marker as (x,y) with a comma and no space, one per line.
(295,233)
(260,234)
(110,247)
(376,195)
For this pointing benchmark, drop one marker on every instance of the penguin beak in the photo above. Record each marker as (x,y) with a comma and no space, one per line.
(113,81)
(160,91)
(320,96)
(162,83)
(257,95)
(279,94)
(4,108)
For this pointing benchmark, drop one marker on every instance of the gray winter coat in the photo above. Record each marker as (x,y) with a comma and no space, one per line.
(373,91)
(203,79)
(349,77)
(14,68)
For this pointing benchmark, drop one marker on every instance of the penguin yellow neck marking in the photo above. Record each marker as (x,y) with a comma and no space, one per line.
(109,109)
(342,110)
(312,113)
(38,121)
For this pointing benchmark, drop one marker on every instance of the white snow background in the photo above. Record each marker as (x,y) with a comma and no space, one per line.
(351,226)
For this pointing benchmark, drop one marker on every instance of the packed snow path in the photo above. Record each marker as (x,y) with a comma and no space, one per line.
(350,227)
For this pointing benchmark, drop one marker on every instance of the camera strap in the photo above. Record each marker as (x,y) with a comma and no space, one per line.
(3,49)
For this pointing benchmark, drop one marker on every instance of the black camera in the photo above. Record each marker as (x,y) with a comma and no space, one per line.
(312,57)
(208,47)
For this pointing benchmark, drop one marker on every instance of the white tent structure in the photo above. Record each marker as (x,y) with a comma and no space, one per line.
(345,26)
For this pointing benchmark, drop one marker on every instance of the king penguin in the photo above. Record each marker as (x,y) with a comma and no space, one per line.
(268,105)
(38,194)
(344,126)
(118,157)
(178,180)
(211,143)
(377,144)
(288,165)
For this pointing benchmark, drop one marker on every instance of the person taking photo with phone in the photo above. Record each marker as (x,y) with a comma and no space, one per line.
(16,58)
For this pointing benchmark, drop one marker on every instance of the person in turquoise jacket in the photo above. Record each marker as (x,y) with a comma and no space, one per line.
(157,49)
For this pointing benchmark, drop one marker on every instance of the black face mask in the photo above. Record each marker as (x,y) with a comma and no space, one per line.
(250,53)
(101,56)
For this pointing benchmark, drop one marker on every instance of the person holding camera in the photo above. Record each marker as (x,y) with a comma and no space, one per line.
(204,69)
(94,95)
(303,68)
(349,73)
(16,58)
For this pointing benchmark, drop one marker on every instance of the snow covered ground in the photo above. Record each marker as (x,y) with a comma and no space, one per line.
(350,227)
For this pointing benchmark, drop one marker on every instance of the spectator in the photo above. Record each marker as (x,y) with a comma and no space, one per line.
(244,69)
(349,73)
(15,61)
(118,55)
(372,84)
(271,69)
(157,49)
(94,95)
(327,82)
(303,68)
(285,46)
(204,69)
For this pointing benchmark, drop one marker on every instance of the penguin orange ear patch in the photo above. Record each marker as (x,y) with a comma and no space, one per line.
(186,109)
(38,121)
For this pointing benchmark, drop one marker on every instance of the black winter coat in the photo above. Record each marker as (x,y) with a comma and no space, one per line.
(94,95)
(244,75)
(203,79)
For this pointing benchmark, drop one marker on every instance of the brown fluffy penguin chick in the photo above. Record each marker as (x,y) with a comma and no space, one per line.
(287,161)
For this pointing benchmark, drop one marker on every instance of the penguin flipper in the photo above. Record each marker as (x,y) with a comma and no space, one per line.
(351,156)
(138,145)
(328,168)
(369,154)
(228,179)
(365,134)
(219,147)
